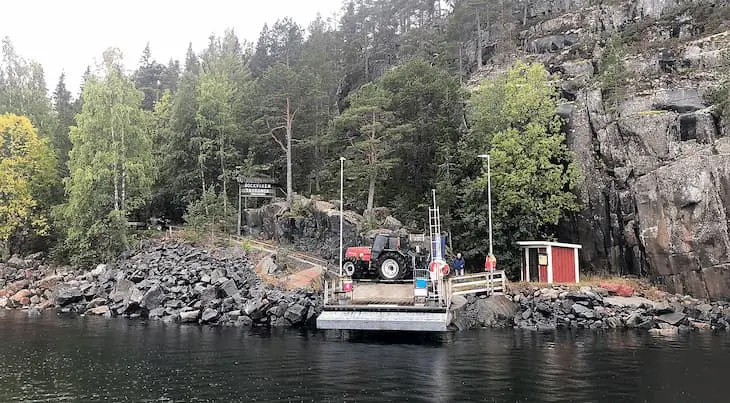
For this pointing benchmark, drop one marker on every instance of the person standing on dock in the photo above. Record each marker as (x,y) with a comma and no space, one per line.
(458,264)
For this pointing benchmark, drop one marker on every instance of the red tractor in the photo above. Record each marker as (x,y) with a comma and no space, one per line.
(390,258)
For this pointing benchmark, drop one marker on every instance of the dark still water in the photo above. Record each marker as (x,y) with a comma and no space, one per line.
(89,359)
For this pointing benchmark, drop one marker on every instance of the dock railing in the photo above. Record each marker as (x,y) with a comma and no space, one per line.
(494,282)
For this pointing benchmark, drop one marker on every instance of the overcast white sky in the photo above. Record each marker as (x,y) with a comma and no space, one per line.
(69,35)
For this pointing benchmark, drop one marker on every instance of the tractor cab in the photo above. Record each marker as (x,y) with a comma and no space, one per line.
(384,243)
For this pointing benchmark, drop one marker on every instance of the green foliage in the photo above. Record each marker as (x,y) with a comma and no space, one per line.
(111,166)
(207,214)
(612,72)
(27,172)
(372,132)
(533,173)
(719,96)
(381,86)
(153,78)
(65,111)
(297,209)
(431,100)
(23,89)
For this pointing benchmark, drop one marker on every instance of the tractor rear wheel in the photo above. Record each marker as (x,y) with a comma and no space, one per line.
(391,266)
(348,267)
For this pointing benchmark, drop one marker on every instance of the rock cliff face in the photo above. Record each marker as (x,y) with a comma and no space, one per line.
(313,225)
(654,155)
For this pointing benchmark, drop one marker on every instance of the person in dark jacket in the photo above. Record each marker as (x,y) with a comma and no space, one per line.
(459,265)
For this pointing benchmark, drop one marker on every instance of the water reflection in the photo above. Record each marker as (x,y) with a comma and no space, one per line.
(90,359)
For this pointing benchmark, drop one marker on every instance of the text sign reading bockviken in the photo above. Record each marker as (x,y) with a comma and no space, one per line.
(258,187)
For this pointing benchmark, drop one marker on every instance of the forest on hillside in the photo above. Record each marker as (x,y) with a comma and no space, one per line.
(385,86)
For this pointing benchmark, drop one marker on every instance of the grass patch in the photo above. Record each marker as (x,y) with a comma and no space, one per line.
(652,113)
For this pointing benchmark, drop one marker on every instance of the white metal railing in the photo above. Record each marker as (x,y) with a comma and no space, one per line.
(494,282)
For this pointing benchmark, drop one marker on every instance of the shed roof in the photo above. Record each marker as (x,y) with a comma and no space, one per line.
(539,244)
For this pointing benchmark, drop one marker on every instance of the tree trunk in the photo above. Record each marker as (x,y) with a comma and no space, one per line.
(115,168)
(202,180)
(223,175)
(479,40)
(318,139)
(524,13)
(289,190)
(373,157)
(371,190)
(123,203)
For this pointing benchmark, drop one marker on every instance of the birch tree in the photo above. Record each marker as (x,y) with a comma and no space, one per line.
(110,164)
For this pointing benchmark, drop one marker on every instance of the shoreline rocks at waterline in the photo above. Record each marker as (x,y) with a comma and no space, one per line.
(167,281)
(562,307)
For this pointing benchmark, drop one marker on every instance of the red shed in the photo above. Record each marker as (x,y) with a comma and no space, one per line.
(549,262)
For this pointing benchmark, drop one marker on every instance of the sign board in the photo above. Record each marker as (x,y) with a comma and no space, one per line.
(258,187)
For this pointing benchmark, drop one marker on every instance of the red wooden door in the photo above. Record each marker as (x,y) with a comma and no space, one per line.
(563,265)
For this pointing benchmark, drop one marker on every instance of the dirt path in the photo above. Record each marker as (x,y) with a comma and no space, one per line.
(306,273)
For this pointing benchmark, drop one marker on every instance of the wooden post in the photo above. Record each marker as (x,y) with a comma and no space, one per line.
(239,209)
(550,264)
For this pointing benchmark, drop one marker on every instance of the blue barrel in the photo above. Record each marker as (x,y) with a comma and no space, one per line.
(421,283)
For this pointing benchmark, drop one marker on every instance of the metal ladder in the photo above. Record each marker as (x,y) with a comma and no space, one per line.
(434,229)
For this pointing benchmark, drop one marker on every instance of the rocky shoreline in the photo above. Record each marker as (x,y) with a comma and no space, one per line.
(167,281)
(590,307)
(178,283)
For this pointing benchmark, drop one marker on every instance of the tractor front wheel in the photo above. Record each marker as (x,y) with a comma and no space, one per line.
(392,266)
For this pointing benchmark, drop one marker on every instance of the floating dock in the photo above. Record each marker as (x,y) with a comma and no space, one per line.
(384,317)
(379,306)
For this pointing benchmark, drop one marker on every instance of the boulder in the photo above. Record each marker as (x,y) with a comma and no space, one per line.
(673,318)
(121,290)
(459,315)
(135,296)
(495,311)
(65,295)
(268,265)
(96,302)
(99,270)
(49,282)
(582,311)
(229,288)
(256,308)
(189,316)
(156,313)
(244,320)
(174,303)
(20,295)
(152,298)
(100,310)
(17,263)
(209,315)
(296,314)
